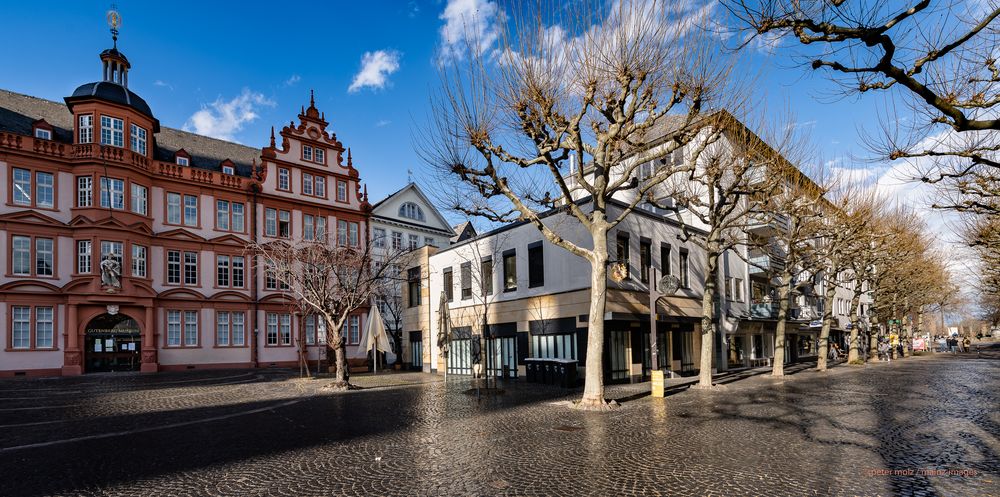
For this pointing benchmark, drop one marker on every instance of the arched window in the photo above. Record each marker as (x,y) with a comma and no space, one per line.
(411,211)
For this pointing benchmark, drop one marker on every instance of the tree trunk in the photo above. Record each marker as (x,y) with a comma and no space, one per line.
(905,335)
(824,333)
(873,341)
(853,352)
(708,316)
(593,385)
(784,296)
(341,359)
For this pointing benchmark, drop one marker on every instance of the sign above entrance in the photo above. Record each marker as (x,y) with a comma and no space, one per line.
(118,324)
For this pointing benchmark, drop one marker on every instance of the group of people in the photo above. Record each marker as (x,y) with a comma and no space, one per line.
(885,349)
(953,343)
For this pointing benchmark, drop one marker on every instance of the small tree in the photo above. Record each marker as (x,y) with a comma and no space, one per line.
(328,281)
(389,301)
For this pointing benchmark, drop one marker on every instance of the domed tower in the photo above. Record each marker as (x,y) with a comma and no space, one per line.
(106,112)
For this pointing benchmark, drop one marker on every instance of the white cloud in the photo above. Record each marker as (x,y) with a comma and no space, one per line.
(375,70)
(163,84)
(223,119)
(291,81)
(468,23)
(382,123)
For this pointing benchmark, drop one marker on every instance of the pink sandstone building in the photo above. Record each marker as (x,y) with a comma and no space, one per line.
(125,242)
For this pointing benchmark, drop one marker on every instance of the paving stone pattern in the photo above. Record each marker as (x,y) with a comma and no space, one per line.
(269,433)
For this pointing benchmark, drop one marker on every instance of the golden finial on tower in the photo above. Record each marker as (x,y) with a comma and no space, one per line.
(114,22)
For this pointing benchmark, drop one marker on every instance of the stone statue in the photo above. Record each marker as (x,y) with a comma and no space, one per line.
(111,272)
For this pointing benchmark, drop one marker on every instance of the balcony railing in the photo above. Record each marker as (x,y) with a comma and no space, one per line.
(763,263)
(95,151)
(767,223)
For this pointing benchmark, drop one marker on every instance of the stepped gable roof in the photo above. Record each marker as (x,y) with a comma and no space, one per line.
(18,112)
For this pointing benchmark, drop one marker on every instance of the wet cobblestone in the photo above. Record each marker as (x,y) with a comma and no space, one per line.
(268,433)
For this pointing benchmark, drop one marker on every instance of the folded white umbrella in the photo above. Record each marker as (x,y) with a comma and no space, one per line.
(375,337)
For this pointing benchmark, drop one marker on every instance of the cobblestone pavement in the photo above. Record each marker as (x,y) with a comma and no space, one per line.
(268,433)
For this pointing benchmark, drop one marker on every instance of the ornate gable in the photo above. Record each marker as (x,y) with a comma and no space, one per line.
(30,217)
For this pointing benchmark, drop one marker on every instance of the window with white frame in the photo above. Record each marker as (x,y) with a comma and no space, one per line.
(174,267)
(353,234)
(21,255)
(222,215)
(173,328)
(139,199)
(22,186)
(738,289)
(284,224)
(320,186)
(139,261)
(320,156)
(307,153)
(410,210)
(85,128)
(190,210)
(190,268)
(270,222)
(307,184)
(238,217)
(182,161)
(313,227)
(238,271)
(190,328)
(138,135)
(173,208)
(112,193)
(32,325)
(342,191)
(397,240)
(283,179)
(44,257)
(230,329)
(341,232)
(414,241)
(84,191)
(222,270)
(378,237)
(428,241)
(43,134)
(112,131)
(84,256)
(228,170)
(44,189)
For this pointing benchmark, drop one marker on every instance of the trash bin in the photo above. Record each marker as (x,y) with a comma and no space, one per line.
(567,376)
(531,370)
(547,373)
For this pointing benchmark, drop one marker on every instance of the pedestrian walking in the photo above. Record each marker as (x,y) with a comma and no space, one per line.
(966,344)
(953,344)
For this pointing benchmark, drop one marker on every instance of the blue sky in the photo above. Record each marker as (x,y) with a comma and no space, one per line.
(235,72)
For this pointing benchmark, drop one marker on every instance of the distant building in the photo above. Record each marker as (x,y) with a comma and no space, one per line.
(405,221)
(125,241)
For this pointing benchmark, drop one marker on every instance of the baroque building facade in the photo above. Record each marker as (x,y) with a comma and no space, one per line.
(126,242)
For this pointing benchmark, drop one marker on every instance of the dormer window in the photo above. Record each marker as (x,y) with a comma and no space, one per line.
(43,134)
(138,135)
(410,210)
(228,170)
(112,131)
(183,161)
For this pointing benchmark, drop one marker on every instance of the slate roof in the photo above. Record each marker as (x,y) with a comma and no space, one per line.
(18,112)
(112,92)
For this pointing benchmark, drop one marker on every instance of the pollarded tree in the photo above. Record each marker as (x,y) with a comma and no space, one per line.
(591,81)
(328,281)
(734,175)
(939,57)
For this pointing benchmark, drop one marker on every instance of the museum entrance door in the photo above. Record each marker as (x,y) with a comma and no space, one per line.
(113,343)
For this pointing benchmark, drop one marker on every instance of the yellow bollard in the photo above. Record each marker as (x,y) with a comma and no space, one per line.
(656,384)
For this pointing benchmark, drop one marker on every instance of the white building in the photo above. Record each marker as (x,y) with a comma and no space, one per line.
(405,220)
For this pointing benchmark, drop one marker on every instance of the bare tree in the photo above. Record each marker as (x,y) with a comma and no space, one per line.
(843,234)
(328,281)
(726,191)
(592,81)
(389,301)
(798,203)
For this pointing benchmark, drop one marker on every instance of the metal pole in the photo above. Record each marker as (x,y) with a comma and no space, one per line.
(654,362)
